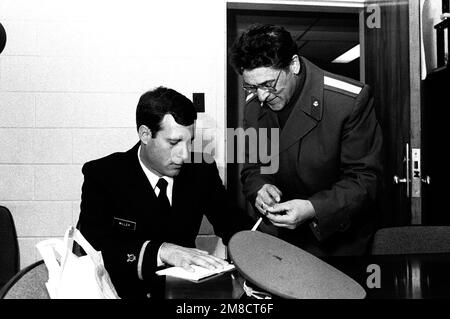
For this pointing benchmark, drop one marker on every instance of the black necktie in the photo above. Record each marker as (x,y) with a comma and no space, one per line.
(162,197)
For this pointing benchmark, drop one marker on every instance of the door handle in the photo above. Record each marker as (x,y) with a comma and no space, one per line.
(398,180)
(405,180)
(426,180)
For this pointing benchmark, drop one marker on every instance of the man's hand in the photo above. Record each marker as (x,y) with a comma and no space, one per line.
(267,196)
(291,214)
(175,255)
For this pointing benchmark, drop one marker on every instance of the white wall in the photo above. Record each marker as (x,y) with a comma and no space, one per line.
(70,78)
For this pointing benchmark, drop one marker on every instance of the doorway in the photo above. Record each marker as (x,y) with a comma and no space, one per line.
(322,34)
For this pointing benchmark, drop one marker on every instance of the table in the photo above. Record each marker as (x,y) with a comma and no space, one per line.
(225,286)
(422,276)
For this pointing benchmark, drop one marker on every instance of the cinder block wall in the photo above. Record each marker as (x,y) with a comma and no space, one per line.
(70,79)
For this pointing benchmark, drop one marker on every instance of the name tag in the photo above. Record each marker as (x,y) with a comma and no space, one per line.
(124,224)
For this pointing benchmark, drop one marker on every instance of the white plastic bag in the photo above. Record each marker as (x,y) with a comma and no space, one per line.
(73,277)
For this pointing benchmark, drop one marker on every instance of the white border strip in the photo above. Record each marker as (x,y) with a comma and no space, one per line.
(323,3)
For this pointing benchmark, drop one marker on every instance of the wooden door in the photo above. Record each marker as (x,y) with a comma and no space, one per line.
(387,71)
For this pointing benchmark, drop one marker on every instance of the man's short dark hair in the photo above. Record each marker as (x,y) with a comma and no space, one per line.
(263,45)
(154,104)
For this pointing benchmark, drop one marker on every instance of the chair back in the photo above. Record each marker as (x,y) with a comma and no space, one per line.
(29,283)
(9,247)
(411,240)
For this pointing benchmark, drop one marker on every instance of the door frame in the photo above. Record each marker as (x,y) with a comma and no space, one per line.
(415,80)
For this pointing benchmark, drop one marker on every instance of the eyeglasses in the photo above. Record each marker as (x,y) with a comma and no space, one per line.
(254,88)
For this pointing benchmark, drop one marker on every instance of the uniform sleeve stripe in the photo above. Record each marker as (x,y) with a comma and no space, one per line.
(141,259)
(341,85)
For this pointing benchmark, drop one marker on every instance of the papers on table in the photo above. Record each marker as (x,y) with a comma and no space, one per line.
(199,274)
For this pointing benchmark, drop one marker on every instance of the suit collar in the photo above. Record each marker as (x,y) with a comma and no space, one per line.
(311,97)
(138,181)
(307,111)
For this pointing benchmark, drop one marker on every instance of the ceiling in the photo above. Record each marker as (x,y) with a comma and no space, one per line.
(321,37)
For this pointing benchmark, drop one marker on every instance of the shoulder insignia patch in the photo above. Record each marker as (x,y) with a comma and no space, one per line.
(341,85)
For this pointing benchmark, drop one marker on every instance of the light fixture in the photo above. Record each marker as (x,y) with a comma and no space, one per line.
(348,56)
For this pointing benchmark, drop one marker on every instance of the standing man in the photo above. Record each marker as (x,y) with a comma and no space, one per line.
(143,208)
(322,198)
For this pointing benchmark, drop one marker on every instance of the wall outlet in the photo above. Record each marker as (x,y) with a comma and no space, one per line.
(199,101)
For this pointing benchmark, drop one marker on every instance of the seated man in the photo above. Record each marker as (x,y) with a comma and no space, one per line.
(143,208)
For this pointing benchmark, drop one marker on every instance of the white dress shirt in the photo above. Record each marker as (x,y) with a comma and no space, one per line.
(153,179)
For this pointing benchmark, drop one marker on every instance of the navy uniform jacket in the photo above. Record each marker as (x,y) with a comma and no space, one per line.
(119,212)
(330,154)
